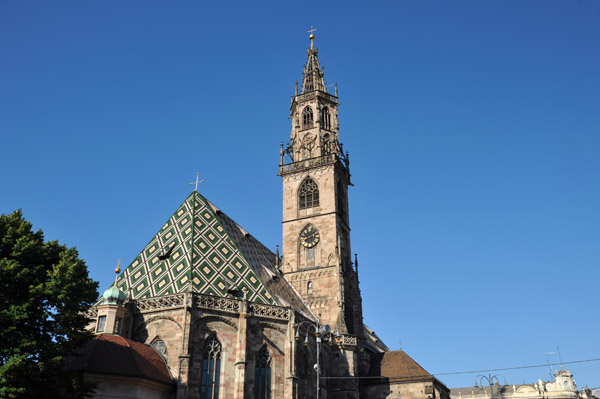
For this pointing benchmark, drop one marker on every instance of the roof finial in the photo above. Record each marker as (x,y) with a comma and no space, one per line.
(201,181)
(312,37)
(117,271)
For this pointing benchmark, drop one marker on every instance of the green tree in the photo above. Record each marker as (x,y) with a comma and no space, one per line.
(44,288)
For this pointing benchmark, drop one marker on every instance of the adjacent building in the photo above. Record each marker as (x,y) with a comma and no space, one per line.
(563,387)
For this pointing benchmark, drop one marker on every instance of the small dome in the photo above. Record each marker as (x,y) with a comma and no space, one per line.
(113,296)
(117,356)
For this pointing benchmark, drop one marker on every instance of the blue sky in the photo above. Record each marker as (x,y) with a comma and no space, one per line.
(472,127)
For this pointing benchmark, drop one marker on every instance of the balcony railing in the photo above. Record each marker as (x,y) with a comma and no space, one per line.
(308,163)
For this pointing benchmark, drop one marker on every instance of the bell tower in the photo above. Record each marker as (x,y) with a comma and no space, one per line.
(315,170)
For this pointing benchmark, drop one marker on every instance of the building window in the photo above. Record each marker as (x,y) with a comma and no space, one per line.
(310,253)
(118,323)
(160,347)
(307,118)
(309,287)
(211,368)
(326,145)
(309,194)
(101,324)
(341,200)
(325,118)
(262,376)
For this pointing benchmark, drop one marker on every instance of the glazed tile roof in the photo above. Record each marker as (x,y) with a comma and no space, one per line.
(115,355)
(263,263)
(225,258)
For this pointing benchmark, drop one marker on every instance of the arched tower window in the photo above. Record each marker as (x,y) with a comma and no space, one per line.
(325,118)
(309,287)
(262,374)
(308,194)
(211,369)
(307,117)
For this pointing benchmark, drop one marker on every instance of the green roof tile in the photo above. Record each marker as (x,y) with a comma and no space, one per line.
(218,261)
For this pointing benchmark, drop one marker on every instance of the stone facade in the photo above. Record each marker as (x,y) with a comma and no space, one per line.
(184,323)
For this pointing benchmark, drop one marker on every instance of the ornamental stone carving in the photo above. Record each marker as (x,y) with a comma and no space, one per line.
(170,301)
(275,312)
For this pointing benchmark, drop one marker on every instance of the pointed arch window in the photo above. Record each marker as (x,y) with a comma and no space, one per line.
(309,287)
(307,117)
(325,118)
(262,374)
(159,345)
(211,369)
(308,194)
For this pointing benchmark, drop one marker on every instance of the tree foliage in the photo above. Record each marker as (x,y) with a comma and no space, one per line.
(44,288)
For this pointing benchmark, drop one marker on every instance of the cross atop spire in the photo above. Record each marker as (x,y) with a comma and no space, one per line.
(197,181)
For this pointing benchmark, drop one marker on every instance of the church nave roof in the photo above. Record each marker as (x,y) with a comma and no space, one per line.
(227,260)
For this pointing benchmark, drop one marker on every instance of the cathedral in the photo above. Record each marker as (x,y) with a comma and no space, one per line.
(206,311)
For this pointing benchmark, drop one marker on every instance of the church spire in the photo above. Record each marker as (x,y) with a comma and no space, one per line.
(312,76)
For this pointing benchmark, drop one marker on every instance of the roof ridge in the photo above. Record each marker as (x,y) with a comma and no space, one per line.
(216,211)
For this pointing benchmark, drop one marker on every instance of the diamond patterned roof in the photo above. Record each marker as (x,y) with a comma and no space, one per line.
(165,265)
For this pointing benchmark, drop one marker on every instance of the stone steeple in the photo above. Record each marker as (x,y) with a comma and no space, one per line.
(312,77)
(314,115)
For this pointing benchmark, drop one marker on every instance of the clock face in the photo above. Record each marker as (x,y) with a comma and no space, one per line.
(309,237)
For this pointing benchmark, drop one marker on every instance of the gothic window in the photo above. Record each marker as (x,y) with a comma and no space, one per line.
(309,287)
(310,253)
(211,368)
(262,376)
(307,118)
(309,194)
(325,118)
(160,347)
